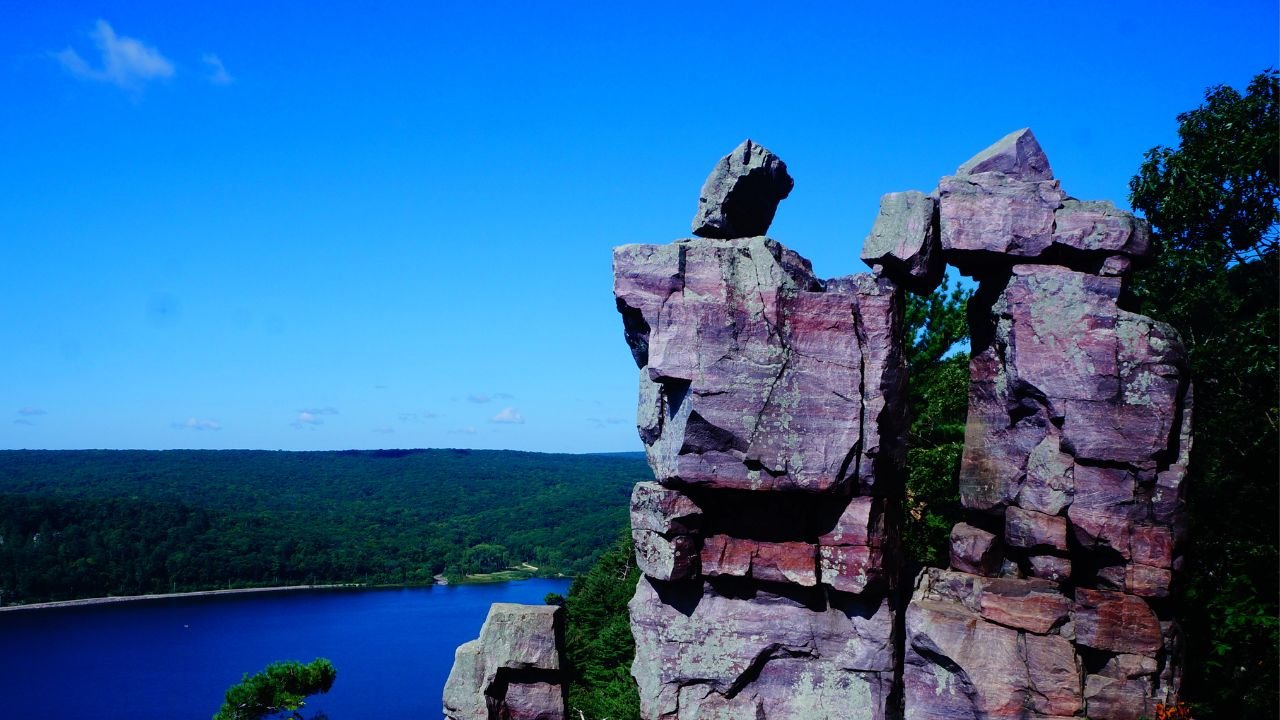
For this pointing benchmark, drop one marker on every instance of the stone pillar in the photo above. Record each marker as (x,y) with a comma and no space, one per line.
(1075,451)
(512,671)
(771,408)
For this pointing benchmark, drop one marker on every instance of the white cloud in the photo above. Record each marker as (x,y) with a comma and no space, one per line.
(29,411)
(328,410)
(468,430)
(126,62)
(195,423)
(478,398)
(508,415)
(307,418)
(218,74)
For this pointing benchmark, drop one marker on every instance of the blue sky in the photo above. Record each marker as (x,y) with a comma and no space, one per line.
(311,226)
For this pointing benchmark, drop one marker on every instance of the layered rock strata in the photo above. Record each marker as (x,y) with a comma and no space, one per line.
(771,410)
(1075,452)
(512,671)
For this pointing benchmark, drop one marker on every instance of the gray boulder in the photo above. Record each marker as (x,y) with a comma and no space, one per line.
(742,193)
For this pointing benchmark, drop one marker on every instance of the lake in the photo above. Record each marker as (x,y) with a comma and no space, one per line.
(172,659)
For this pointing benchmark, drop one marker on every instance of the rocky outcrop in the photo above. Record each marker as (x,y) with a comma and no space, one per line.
(771,407)
(1075,450)
(512,671)
(771,410)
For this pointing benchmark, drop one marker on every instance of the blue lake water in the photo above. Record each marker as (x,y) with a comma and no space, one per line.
(173,659)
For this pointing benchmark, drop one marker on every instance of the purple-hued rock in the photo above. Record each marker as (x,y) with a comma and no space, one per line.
(1050,567)
(1124,689)
(974,550)
(861,523)
(1017,155)
(757,376)
(700,654)
(1029,529)
(851,568)
(992,218)
(517,656)
(904,244)
(780,562)
(1116,622)
(741,195)
(966,657)
(1004,206)
(1049,485)
(1097,226)
(533,701)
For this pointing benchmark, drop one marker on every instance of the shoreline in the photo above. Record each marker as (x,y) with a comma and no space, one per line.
(166,596)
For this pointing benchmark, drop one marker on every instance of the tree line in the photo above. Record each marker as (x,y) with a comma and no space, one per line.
(79,524)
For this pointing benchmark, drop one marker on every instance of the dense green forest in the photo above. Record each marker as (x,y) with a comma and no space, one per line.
(1214,207)
(91,523)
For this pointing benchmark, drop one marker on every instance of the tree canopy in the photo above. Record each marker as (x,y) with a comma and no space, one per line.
(279,689)
(1214,207)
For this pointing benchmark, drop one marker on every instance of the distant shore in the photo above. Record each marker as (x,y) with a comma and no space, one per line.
(163,596)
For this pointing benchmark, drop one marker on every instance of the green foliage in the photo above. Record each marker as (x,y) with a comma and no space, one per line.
(1214,206)
(938,402)
(598,642)
(91,523)
(281,688)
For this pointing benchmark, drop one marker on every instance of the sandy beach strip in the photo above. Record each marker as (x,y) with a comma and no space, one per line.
(162,596)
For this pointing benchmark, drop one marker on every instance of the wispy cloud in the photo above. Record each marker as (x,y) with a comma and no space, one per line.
(28,411)
(328,410)
(385,430)
(195,423)
(23,421)
(509,416)
(411,417)
(468,430)
(307,420)
(478,398)
(218,74)
(124,61)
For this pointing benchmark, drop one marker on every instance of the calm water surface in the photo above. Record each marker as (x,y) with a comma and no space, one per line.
(174,659)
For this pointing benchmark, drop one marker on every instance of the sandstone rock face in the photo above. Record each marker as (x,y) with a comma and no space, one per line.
(755,375)
(742,193)
(1075,450)
(771,409)
(512,671)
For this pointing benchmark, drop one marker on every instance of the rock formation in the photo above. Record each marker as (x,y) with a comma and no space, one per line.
(1075,451)
(771,407)
(512,671)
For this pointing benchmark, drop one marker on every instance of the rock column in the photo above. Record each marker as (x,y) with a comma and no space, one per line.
(1075,452)
(771,409)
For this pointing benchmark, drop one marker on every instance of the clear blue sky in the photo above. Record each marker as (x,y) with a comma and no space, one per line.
(302,225)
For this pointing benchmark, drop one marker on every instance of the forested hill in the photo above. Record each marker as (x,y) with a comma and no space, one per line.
(96,522)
